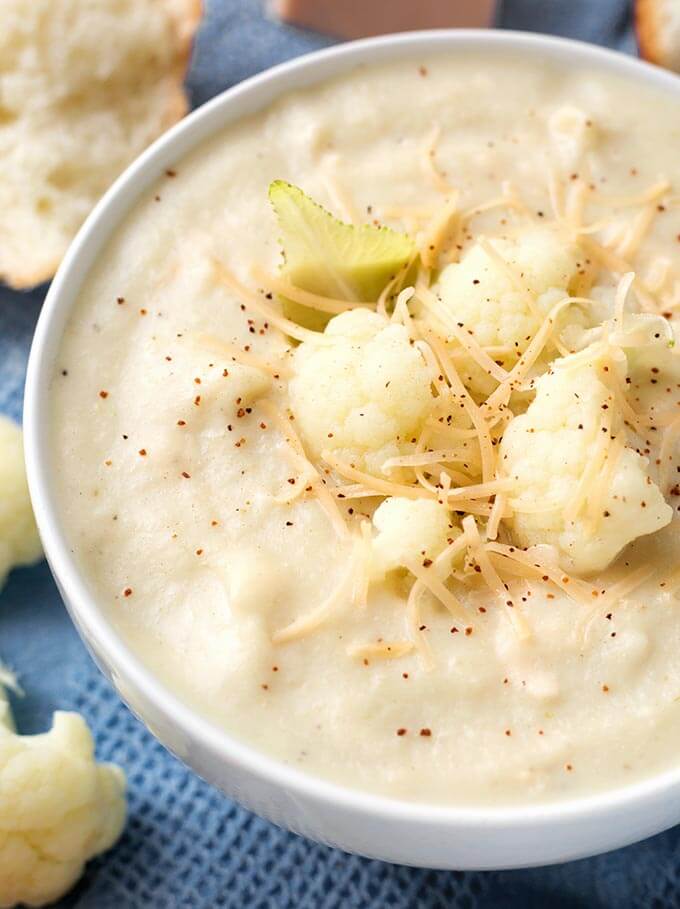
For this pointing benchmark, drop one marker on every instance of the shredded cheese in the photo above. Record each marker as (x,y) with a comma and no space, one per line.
(253,301)
(493,579)
(296,449)
(313,620)
(573,587)
(478,421)
(415,631)
(668,452)
(284,288)
(429,580)
(237,355)
(518,373)
(464,337)
(442,230)
(381,650)
(430,168)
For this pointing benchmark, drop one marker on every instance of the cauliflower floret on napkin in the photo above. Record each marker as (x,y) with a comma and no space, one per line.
(19,541)
(364,396)
(58,808)
(579,487)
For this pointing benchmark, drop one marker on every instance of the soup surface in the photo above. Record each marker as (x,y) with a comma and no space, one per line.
(429,552)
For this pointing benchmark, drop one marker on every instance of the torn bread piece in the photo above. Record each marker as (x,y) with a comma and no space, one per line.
(84,88)
(657,23)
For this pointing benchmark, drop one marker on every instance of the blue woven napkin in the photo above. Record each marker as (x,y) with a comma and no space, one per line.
(186,846)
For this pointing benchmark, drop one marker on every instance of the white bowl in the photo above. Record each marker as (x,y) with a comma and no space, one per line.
(412,833)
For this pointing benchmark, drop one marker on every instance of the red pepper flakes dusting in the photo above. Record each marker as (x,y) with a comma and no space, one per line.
(404,675)
(240,413)
(263,425)
(454,630)
(422,71)
(199,552)
(291,480)
(120,300)
(427,563)
(605,688)
(425,732)
(508,732)
(197,400)
(142,312)
(225,373)
(568,767)
(265,686)
(142,452)
(468,631)
(170,173)
(401,731)
(127,592)
(197,380)
(187,476)
(108,463)
(103,394)
(240,442)
(181,422)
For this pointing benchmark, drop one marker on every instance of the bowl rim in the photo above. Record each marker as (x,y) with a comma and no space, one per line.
(63,292)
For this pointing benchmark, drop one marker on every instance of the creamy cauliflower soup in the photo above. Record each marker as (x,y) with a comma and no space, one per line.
(364,430)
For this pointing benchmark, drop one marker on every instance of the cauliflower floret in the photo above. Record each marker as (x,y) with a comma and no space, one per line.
(548,449)
(653,356)
(482,296)
(572,133)
(366,395)
(19,541)
(58,808)
(409,531)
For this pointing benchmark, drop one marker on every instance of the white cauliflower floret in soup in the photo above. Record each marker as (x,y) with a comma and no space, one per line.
(578,486)
(366,395)
(492,301)
(58,809)
(19,541)
(409,531)
(653,356)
